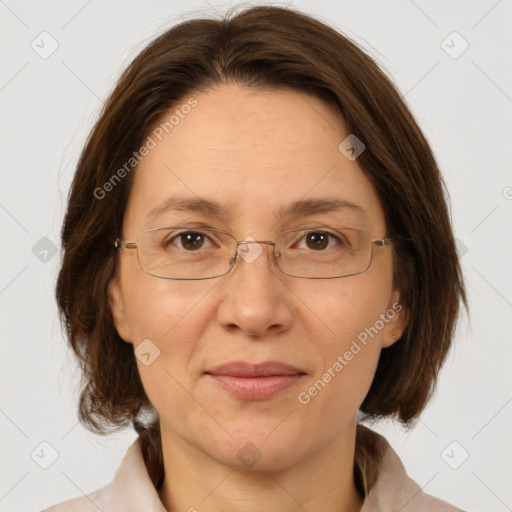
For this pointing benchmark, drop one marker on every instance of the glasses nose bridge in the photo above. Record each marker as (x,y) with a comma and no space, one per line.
(267,242)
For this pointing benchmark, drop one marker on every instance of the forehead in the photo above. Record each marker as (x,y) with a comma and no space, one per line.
(254,152)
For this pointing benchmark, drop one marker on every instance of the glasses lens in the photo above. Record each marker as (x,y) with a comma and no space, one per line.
(325,252)
(185,253)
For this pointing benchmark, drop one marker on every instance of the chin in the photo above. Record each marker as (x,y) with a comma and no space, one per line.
(262,448)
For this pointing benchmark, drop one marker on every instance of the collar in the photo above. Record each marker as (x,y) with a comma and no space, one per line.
(131,489)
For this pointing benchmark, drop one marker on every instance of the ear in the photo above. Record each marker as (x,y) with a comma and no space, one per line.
(395,319)
(117,308)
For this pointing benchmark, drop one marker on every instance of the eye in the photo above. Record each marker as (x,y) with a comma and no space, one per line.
(320,240)
(188,240)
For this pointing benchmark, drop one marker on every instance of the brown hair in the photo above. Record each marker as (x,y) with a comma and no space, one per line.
(266,48)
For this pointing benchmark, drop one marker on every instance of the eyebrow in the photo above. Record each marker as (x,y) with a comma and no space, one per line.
(302,207)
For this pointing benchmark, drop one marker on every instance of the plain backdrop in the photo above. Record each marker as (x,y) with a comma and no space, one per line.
(451,61)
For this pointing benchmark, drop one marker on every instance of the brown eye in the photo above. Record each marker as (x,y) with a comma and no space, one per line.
(189,240)
(192,241)
(317,240)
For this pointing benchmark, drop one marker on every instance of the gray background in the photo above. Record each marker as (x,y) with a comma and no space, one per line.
(463,101)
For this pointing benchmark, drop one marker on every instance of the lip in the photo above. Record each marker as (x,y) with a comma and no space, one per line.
(255,381)
(244,369)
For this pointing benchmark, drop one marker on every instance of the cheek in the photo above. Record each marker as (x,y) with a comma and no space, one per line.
(167,319)
(348,364)
(349,345)
(350,308)
(156,308)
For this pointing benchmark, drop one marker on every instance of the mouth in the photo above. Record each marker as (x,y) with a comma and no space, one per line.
(255,381)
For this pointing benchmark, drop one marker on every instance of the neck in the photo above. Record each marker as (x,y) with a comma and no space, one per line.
(195,481)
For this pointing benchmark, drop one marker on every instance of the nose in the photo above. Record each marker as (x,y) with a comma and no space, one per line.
(254,298)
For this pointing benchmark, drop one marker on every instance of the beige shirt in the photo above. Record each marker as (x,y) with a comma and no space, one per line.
(131,490)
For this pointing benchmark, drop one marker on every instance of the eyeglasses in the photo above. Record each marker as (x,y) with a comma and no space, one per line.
(310,253)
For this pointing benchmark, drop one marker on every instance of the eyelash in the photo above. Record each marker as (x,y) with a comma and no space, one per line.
(169,241)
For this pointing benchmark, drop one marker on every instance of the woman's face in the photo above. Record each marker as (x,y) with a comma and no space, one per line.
(255,153)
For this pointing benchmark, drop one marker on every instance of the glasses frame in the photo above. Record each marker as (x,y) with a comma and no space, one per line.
(129,245)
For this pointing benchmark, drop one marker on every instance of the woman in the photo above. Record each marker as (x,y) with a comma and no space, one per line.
(257,252)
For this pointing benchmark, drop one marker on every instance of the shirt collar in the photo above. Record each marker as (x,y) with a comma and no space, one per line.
(131,489)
